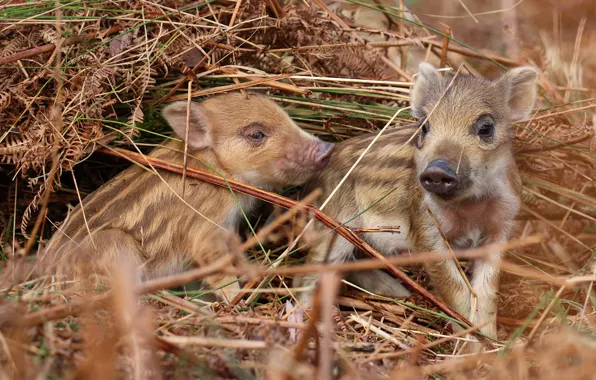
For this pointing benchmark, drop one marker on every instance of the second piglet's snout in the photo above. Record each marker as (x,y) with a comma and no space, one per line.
(323,154)
(439,178)
(313,154)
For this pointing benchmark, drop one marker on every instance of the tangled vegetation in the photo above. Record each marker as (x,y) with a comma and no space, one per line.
(79,79)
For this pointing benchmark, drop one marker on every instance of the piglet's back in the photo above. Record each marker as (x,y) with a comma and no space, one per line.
(387,165)
(139,202)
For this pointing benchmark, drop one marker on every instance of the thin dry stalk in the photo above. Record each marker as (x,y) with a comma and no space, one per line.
(185,341)
(329,284)
(545,314)
(232,87)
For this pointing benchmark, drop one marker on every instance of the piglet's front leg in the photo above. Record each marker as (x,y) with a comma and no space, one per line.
(485,283)
(449,284)
(205,251)
(485,278)
(479,309)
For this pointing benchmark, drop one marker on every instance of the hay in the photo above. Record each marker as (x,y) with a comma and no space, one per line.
(76,77)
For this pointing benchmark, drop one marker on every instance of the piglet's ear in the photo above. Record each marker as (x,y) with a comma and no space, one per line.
(199,123)
(520,86)
(427,80)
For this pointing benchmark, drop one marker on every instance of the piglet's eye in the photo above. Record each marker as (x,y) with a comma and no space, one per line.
(485,129)
(255,133)
(423,132)
(256,136)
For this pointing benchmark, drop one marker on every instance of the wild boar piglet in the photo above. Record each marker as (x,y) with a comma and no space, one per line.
(141,216)
(459,165)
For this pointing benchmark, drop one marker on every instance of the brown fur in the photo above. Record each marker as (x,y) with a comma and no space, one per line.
(480,211)
(141,217)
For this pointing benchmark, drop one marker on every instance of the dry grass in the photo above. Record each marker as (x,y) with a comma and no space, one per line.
(78,76)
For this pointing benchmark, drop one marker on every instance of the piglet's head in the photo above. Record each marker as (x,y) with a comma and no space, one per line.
(464,141)
(252,138)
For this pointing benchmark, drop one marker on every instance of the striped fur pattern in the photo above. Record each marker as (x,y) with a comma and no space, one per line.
(141,217)
(385,188)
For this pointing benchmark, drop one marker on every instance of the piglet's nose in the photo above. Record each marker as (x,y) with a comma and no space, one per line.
(439,178)
(323,155)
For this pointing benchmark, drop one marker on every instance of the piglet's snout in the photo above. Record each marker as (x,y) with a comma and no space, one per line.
(323,154)
(439,178)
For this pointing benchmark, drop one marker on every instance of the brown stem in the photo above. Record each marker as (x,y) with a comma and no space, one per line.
(235,14)
(232,87)
(469,53)
(554,146)
(379,229)
(50,47)
(445,48)
(275,84)
(345,232)
(276,8)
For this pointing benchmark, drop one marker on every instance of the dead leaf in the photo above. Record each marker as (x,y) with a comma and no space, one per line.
(120,43)
(193,57)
